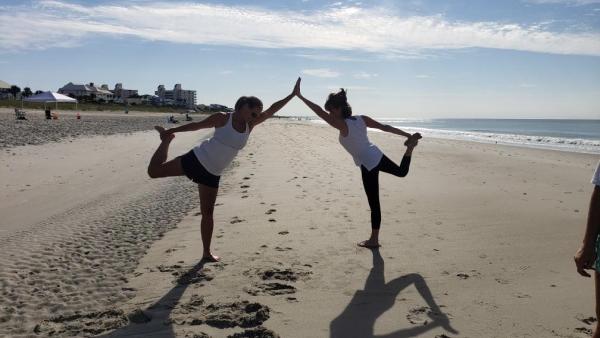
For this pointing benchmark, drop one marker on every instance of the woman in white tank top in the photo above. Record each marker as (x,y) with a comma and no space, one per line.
(366,155)
(205,162)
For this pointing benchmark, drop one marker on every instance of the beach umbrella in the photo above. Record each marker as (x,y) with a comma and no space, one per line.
(51,97)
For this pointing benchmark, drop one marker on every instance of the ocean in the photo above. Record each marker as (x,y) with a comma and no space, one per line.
(567,135)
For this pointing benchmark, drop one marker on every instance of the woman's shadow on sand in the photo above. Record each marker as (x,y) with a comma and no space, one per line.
(358,318)
(159,312)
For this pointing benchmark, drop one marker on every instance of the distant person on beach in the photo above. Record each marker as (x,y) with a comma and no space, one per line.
(586,257)
(205,162)
(48,114)
(353,137)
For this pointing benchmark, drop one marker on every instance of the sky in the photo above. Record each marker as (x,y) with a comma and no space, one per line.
(397,59)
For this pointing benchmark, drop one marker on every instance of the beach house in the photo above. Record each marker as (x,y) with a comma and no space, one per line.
(87,92)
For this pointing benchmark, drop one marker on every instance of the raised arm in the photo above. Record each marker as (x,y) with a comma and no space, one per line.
(275,107)
(384,127)
(215,120)
(336,123)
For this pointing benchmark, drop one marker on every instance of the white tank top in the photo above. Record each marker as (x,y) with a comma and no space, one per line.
(216,153)
(358,145)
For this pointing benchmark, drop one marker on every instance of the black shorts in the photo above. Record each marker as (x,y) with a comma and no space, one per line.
(195,171)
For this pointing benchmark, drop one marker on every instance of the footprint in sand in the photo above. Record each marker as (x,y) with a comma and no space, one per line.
(187,275)
(288,275)
(197,335)
(259,332)
(271,289)
(283,249)
(236,220)
(422,315)
(521,295)
(418,315)
(584,330)
(586,320)
(93,323)
(245,186)
(270,211)
(275,274)
(462,275)
(272,220)
(221,315)
(283,232)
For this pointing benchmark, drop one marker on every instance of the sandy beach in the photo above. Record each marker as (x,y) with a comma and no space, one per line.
(477,240)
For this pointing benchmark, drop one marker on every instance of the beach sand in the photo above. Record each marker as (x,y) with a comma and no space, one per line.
(477,241)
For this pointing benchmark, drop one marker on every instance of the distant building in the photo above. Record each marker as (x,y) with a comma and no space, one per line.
(87,91)
(177,96)
(122,94)
(134,100)
(219,107)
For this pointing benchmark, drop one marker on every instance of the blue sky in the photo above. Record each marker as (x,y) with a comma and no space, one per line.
(415,59)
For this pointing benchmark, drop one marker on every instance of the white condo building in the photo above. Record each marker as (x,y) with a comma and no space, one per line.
(122,94)
(178,96)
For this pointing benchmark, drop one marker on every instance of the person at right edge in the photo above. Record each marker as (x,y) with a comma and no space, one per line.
(586,258)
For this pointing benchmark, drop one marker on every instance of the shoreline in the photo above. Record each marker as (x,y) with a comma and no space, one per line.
(592,146)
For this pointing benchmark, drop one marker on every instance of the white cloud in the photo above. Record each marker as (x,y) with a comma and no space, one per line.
(56,23)
(331,57)
(321,72)
(365,75)
(565,2)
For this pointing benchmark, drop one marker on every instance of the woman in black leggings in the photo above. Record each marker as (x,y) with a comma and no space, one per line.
(353,137)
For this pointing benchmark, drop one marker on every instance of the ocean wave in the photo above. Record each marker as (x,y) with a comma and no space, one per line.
(531,141)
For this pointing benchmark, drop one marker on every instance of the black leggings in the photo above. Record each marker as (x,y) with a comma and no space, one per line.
(371,183)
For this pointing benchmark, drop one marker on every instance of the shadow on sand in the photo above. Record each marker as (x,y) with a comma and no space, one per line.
(160,311)
(358,318)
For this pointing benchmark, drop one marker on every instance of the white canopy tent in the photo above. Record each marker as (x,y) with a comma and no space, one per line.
(46,97)
(4,85)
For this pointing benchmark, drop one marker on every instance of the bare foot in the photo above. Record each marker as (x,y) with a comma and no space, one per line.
(211,258)
(413,140)
(163,135)
(371,244)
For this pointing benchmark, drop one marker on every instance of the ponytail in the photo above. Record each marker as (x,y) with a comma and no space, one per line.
(339,100)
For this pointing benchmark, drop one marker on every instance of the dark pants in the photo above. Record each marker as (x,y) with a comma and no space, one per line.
(371,183)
